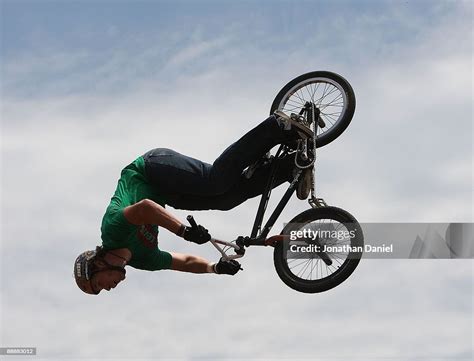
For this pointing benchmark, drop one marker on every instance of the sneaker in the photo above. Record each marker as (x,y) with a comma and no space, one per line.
(304,184)
(293,122)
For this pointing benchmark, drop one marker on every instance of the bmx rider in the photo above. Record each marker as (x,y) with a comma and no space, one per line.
(129,229)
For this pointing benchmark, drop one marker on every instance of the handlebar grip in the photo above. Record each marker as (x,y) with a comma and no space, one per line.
(191,221)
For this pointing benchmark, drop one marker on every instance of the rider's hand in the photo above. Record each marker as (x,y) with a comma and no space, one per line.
(227,267)
(199,234)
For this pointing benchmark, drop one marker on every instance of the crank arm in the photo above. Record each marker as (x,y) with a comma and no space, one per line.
(323,255)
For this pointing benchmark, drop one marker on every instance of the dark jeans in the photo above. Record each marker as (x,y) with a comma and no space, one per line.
(191,184)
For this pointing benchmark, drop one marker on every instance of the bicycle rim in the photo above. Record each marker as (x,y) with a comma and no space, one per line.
(328,95)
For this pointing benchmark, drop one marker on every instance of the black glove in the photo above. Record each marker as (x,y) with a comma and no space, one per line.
(227,267)
(199,234)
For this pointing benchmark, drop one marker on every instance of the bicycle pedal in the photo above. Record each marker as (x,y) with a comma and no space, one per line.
(321,123)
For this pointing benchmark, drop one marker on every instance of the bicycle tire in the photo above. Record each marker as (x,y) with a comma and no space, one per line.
(342,273)
(347,93)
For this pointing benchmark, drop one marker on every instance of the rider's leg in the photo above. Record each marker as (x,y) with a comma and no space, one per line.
(240,192)
(173,173)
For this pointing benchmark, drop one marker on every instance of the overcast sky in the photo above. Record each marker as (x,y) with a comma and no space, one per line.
(88,86)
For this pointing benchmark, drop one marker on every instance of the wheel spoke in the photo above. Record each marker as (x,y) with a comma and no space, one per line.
(332,102)
(329,93)
(299,264)
(285,110)
(299,97)
(309,93)
(296,99)
(305,267)
(312,268)
(324,92)
(315,90)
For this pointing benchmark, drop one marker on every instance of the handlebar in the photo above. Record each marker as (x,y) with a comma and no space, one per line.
(216,243)
(191,221)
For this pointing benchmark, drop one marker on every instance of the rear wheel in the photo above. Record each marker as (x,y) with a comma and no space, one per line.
(324,248)
(329,92)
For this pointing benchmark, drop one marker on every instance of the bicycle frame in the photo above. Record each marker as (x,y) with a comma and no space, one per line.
(258,236)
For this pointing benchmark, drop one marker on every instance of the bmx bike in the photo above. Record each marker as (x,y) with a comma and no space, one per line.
(320,247)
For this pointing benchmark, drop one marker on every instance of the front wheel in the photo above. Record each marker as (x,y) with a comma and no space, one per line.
(322,248)
(329,92)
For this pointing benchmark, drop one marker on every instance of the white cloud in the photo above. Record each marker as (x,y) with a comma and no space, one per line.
(405,157)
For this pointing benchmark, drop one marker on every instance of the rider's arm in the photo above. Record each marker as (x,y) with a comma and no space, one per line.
(195,264)
(190,263)
(148,212)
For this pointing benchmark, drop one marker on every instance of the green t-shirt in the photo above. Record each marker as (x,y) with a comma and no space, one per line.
(117,232)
